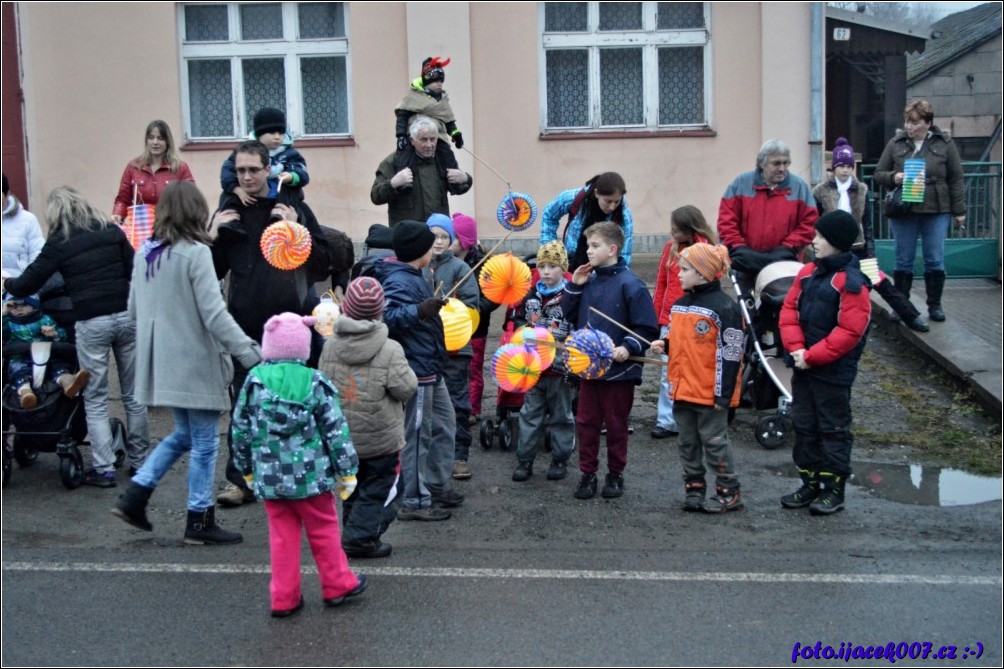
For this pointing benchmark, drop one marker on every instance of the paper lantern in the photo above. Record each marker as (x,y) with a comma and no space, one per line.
(326,312)
(516,368)
(589,353)
(457,324)
(529,336)
(475,318)
(517,211)
(285,245)
(505,279)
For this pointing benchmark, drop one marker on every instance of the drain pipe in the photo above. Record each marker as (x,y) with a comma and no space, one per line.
(816,60)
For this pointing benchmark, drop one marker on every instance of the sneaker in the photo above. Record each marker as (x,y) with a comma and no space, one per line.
(696,491)
(557,471)
(371,549)
(358,590)
(234,496)
(428,513)
(461,470)
(829,501)
(285,613)
(523,472)
(92,477)
(724,500)
(447,500)
(587,487)
(614,485)
(663,433)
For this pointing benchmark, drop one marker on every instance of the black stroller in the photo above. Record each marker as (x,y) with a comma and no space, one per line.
(766,381)
(57,424)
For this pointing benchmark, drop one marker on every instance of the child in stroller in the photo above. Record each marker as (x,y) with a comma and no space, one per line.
(42,385)
(766,381)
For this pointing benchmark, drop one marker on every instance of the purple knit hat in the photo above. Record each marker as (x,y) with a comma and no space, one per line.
(364,300)
(843,153)
(287,337)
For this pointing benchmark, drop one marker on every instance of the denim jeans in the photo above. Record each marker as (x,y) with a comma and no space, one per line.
(664,409)
(195,430)
(95,338)
(932,229)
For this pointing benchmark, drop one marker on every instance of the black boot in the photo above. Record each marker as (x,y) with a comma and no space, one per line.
(901,306)
(934,281)
(903,282)
(202,529)
(696,490)
(131,506)
(805,495)
(831,495)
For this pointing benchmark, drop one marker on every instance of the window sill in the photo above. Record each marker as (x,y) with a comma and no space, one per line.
(300,144)
(626,134)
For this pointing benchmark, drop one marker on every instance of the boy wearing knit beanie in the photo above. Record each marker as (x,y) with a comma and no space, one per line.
(375,381)
(705,345)
(443,273)
(287,166)
(293,446)
(824,324)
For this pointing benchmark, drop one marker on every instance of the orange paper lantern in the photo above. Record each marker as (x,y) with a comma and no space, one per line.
(538,338)
(505,279)
(285,245)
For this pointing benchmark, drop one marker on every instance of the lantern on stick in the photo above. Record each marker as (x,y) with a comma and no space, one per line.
(505,279)
(516,368)
(285,245)
(457,326)
(516,212)
(588,353)
(326,311)
(538,338)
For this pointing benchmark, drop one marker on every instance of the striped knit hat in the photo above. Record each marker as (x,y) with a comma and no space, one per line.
(709,260)
(364,300)
(553,252)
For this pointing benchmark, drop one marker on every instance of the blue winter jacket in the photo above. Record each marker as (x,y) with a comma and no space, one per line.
(622,295)
(550,218)
(424,342)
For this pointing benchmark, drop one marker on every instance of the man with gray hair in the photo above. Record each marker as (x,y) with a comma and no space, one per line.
(766,215)
(420,189)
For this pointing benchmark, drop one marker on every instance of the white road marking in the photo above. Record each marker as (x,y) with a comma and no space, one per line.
(557,574)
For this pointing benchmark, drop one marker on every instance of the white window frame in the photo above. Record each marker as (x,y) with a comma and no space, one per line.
(290,47)
(650,40)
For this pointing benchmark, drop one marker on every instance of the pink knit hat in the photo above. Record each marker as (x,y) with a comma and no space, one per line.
(287,337)
(466,229)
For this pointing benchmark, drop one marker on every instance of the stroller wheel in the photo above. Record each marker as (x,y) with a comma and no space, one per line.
(771,431)
(487,433)
(506,431)
(118,442)
(71,468)
(23,452)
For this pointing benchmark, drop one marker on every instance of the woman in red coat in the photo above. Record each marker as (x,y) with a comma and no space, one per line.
(145,178)
(687,226)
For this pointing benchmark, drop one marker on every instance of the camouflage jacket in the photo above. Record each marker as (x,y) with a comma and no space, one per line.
(289,431)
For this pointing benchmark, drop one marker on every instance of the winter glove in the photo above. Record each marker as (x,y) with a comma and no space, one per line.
(458,139)
(430,308)
(346,485)
(782,253)
(402,143)
(745,259)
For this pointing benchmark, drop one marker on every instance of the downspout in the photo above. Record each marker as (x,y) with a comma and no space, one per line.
(816,59)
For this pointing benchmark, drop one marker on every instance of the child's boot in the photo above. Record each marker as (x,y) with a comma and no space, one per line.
(614,486)
(72,384)
(131,506)
(696,490)
(27,397)
(523,471)
(725,499)
(831,495)
(202,529)
(587,487)
(805,495)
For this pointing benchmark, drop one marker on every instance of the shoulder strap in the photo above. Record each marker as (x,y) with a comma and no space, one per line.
(573,211)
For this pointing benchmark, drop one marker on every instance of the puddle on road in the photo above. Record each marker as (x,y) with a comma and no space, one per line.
(923,485)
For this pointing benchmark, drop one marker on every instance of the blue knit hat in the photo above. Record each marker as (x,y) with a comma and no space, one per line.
(32,300)
(442,221)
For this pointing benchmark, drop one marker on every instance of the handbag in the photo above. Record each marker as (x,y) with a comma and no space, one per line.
(894,205)
(138,224)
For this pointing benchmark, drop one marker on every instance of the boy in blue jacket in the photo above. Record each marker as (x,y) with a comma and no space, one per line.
(411,314)
(607,285)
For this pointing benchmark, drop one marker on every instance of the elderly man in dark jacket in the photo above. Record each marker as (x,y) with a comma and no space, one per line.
(420,189)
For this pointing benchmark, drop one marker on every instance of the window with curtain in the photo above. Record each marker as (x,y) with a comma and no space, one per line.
(625,66)
(240,57)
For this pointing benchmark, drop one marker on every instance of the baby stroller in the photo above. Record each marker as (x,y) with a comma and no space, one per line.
(766,380)
(57,424)
(505,425)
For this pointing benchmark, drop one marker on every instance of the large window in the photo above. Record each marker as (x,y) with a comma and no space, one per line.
(625,66)
(240,57)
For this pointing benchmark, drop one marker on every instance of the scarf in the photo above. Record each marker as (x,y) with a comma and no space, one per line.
(844,203)
(152,250)
(10,207)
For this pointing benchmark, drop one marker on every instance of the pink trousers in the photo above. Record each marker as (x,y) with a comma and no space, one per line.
(286,521)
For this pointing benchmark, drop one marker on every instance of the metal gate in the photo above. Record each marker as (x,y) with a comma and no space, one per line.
(973,252)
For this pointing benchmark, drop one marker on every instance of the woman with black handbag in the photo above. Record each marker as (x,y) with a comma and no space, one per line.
(944,197)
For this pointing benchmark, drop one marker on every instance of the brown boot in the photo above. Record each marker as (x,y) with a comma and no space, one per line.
(72,384)
(27,397)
